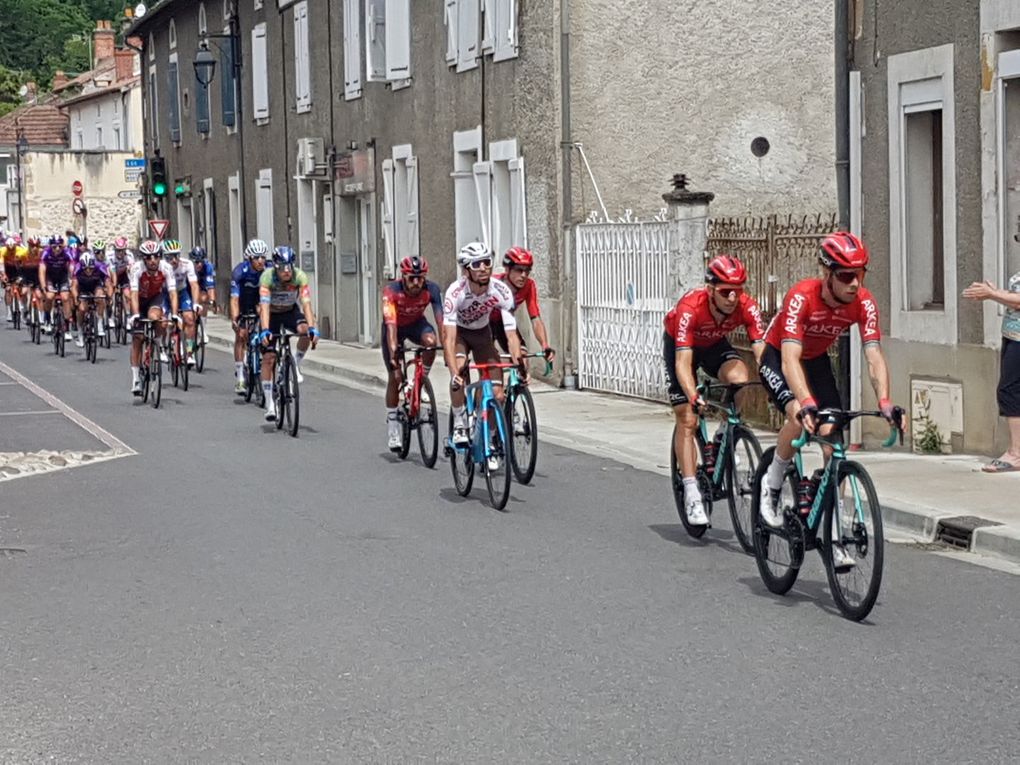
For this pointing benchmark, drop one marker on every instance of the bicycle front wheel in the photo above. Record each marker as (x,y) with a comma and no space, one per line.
(156,373)
(200,344)
(497,467)
(461,464)
(16,314)
(523,424)
(777,552)
(293,400)
(853,519)
(428,425)
(741,465)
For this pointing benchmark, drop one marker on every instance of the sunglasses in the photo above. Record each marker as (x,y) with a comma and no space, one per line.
(521,270)
(415,279)
(150,257)
(848,277)
(481,265)
(726,293)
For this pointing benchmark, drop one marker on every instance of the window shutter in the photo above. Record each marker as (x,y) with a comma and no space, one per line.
(260,73)
(467,35)
(505,45)
(175,103)
(483,193)
(302,68)
(388,232)
(413,235)
(228,83)
(352,49)
(375,40)
(264,206)
(489,28)
(398,39)
(518,204)
(450,19)
(201,106)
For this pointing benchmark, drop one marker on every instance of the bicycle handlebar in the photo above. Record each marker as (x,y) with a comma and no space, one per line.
(548,364)
(843,417)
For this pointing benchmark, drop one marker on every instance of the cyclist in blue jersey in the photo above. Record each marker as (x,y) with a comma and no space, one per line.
(244,298)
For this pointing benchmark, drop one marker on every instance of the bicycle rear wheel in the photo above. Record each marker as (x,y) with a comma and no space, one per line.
(854,520)
(497,467)
(741,464)
(777,552)
(428,425)
(15,313)
(461,464)
(521,419)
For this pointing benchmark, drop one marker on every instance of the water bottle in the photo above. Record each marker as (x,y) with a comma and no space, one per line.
(805,495)
(708,457)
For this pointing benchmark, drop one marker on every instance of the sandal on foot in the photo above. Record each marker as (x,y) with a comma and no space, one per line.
(1000,466)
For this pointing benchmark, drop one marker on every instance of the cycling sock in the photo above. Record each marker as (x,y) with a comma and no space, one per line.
(691,488)
(391,413)
(460,415)
(299,356)
(134,374)
(267,388)
(776,471)
(239,370)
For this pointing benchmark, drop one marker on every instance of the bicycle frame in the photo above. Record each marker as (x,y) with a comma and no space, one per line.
(480,445)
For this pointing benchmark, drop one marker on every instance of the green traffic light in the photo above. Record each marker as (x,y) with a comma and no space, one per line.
(179,189)
(159,189)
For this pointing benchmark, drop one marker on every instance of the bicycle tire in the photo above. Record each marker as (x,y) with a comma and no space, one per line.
(740,484)
(183,361)
(145,370)
(405,432)
(524,469)
(293,399)
(863,545)
(704,486)
(199,345)
(15,314)
(462,465)
(783,579)
(157,379)
(260,394)
(251,381)
(497,480)
(37,327)
(279,392)
(428,425)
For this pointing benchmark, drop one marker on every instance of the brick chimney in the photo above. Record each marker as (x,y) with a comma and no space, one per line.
(125,58)
(103,40)
(59,79)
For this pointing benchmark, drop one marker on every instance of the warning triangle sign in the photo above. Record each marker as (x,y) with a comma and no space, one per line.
(159,228)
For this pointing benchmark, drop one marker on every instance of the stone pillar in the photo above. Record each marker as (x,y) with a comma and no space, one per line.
(688,235)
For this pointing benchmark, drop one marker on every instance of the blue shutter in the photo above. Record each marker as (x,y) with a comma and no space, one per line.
(175,104)
(228,90)
(201,106)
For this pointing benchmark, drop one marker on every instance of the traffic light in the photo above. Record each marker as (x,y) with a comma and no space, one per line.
(182,187)
(157,172)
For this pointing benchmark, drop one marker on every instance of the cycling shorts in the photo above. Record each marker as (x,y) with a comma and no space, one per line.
(499,335)
(291,319)
(709,359)
(145,303)
(413,332)
(59,286)
(479,344)
(1008,391)
(817,371)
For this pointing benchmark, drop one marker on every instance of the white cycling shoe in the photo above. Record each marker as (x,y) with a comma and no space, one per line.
(396,436)
(841,559)
(768,507)
(695,510)
(270,410)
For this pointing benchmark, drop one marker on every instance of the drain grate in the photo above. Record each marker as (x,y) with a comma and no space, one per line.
(10,552)
(958,531)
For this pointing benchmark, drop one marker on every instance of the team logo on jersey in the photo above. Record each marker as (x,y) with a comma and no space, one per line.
(792,313)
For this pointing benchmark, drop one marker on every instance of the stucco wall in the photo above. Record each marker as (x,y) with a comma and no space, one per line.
(660,88)
(48,180)
(120,109)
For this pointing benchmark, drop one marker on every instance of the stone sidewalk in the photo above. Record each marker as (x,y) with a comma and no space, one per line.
(919,493)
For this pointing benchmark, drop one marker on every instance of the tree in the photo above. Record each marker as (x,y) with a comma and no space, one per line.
(10,84)
(32,28)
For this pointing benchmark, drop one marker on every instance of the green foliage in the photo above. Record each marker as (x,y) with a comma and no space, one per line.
(10,82)
(930,440)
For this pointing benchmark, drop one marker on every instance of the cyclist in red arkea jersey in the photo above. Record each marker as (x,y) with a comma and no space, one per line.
(517,265)
(795,367)
(695,336)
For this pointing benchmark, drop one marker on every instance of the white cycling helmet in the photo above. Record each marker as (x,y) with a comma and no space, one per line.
(256,249)
(472,253)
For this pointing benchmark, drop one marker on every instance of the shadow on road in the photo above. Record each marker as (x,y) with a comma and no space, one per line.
(674,532)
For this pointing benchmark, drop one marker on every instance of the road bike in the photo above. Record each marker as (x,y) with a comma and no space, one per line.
(150,371)
(252,359)
(726,464)
(841,500)
(35,321)
(417,408)
(59,326)
(176,354)
(286,393)
(120,318)
(16,304)
(89,327)
(199,352)
(519,409)
(487,443)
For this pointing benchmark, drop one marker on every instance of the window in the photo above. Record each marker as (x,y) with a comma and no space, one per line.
(264,206)
(173,94)
(99,109)
(400,207)
(352,49)
(99,138)
(152,47)
(116,139)
(153,106)
(387,43)
(228,81)
(302,64)
(79,140)
(508,211)
(172,35)
(494,21)
(202,107)
(471,193)
(922,201)
(260,74)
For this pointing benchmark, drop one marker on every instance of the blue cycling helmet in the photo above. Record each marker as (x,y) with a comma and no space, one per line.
(197,253)
(283,256)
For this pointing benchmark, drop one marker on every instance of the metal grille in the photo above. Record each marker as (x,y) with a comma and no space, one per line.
(623,293)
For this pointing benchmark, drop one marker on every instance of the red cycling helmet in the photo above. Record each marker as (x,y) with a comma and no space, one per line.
(518,256)
(725,269)
(841,249)
(414,266)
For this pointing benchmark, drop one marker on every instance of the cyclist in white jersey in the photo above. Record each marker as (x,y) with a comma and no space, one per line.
(467,308)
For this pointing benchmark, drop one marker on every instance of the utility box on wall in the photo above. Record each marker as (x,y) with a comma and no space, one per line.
(936,406)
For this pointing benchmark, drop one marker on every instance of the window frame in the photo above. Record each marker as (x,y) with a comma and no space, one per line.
(263,117)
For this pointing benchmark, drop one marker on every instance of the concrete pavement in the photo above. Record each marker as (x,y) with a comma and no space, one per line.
(920,494)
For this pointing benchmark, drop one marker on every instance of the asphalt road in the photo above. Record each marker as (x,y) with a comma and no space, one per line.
(230,594)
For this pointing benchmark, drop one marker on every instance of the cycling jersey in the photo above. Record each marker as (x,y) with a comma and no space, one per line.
(58,265)
(184,274)
(148,284)
(206,273)
(14,259)
(526,294)
(403,310)
(87,282)
(692,324)
(463,308)
(806,319)
(283,296)
(121,264)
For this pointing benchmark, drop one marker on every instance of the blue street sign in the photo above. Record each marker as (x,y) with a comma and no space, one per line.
(134,162)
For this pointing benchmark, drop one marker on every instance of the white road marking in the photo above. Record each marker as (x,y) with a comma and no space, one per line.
(38,411)
(74,416)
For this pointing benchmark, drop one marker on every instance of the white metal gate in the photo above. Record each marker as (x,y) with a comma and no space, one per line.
(624,290)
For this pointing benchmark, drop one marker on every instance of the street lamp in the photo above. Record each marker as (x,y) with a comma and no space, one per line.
(20,148)
(205,65)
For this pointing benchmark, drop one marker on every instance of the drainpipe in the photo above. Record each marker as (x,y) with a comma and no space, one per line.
(841,39)
(235,43)
(286,129)
(567,288)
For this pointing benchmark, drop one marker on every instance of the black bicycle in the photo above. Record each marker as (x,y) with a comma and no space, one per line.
(59,326)
(90,328)
(286,392)
(726,464)
(841,499)
(252,359)
(151,371)
(120,318)
(199,351)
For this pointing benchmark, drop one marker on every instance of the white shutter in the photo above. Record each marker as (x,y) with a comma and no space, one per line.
(352,49)
(518,204)
(450,19)
(505,45)
(264,205)
(398,39)
(467,35)
(489,22)
(375,40)
(260,73)
(302,64)
(413,236)
(388,232)
(483,193)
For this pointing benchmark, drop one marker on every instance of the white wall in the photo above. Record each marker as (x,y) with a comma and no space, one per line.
(109,112)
